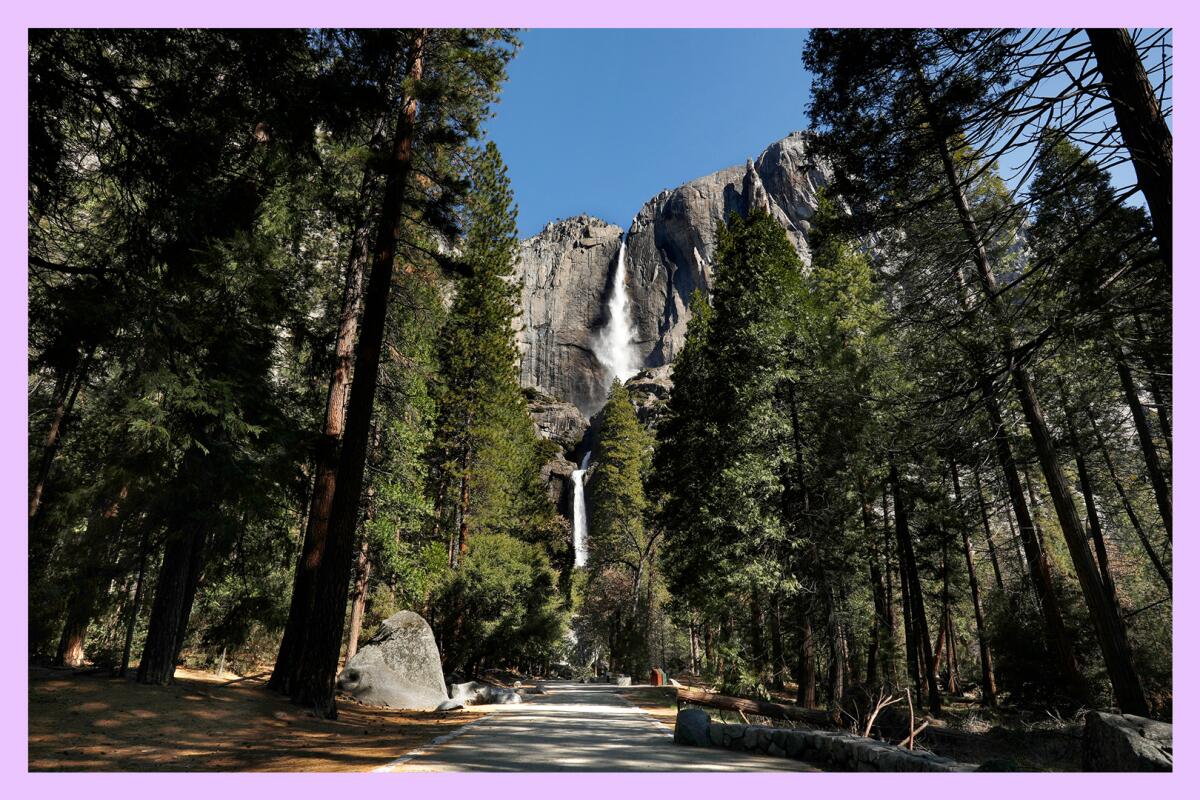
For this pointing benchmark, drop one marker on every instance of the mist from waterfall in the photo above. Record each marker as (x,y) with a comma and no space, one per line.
(615,345)
(580,509)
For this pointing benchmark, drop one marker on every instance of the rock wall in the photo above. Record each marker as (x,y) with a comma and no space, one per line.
(839,751)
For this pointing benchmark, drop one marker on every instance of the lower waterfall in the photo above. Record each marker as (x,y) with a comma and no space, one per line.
(580,508)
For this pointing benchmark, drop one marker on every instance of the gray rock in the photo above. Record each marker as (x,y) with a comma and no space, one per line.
(556,420)
(565,270)
(474,693)
(556,477)
(692,727)
(398,668)
(649,391)
(450,705)
(1126,743)
(623,680)
(671,244)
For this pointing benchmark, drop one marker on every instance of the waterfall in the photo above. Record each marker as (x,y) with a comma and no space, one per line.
(580,507)
(615,346)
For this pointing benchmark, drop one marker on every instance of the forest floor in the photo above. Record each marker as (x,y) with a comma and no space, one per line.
(205,723)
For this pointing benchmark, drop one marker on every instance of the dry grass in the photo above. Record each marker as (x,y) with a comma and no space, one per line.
(205,723)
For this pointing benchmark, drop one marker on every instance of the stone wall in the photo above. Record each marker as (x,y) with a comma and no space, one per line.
(839,751)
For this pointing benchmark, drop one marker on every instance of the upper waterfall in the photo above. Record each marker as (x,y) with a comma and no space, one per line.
(615,344)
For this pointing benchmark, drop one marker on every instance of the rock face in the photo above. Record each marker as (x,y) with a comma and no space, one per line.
(671,245)
(649,391)
(556,475)
(670,250)
(566,271)
(1125,743)
(399,667)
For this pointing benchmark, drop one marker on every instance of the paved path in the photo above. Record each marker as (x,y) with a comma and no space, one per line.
(576,727)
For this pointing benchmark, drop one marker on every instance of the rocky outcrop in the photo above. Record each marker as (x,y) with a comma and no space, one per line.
(556,476)
(566,270)
(649,390)
(556,420)
(399,667)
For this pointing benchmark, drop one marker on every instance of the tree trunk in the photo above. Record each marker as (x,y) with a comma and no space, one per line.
(909,563)
(95,558)
(709,662)
(881,631)
(1089,501)
(888,596)
(987,530)
(1159,567)
(910,639)
(362,577)
(694,643)
(136,605)
(168,614)
(319,660)
(775,628)
(1143,127)
(1162,492)
(836,679)
(325,477)
(758,654)
(320,504)
(1109,625)
(464,504)
(64,404)
(806,664)
(70,644)
(985,656)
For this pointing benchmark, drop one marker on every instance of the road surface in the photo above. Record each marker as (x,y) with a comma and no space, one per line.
(576,727)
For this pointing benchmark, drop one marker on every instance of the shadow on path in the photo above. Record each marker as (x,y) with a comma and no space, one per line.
(578,727)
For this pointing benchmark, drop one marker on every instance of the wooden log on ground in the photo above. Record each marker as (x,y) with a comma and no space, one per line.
(702,697)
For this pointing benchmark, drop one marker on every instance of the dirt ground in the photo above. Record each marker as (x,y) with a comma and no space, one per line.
(205,723)
(657,701)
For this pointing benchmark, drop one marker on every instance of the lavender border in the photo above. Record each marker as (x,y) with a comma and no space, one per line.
(18,17)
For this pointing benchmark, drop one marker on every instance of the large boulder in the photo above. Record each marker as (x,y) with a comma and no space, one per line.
(399,667)
(1125,743)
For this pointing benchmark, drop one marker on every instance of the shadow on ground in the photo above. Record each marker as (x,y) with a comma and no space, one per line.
(202,723)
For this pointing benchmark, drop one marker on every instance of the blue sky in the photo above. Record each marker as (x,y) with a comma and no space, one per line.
(599,121)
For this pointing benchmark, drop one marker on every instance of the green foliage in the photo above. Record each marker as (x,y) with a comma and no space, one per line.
(500,605)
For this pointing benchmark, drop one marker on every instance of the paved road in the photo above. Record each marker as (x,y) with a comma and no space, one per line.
(576,727)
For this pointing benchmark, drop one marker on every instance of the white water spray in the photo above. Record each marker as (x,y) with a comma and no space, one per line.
(615,345)
(580,508)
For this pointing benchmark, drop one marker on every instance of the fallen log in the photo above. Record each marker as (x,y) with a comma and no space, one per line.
(760,708)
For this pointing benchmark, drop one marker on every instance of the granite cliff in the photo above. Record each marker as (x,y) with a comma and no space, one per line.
(670,250)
